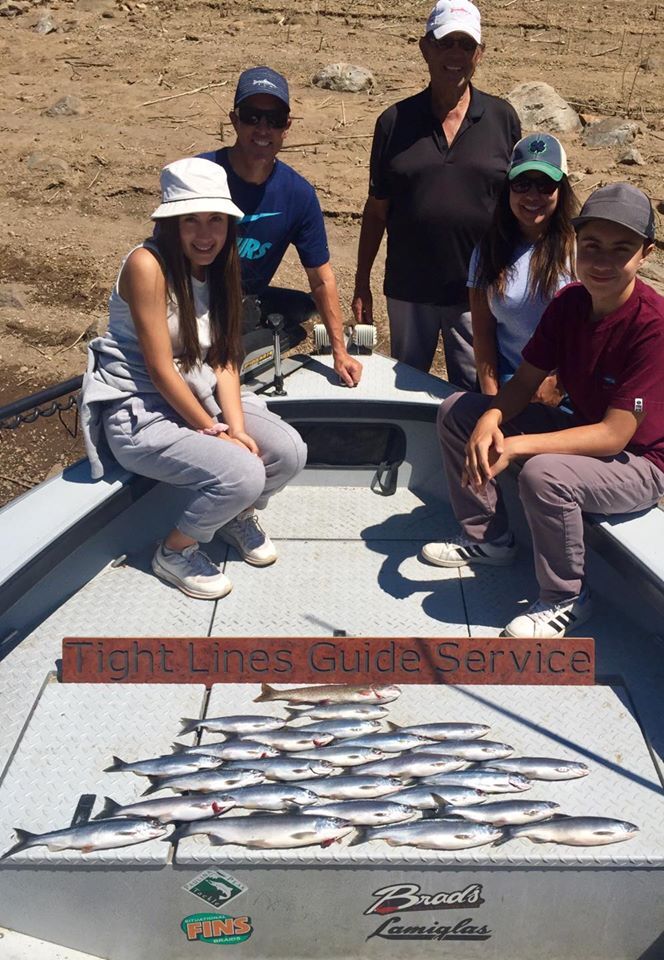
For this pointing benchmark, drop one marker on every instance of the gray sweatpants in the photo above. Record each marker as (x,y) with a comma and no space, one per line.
(414,332)
(148,437)
(554,489)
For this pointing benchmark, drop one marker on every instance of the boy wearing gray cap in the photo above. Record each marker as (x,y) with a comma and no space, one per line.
(605,336)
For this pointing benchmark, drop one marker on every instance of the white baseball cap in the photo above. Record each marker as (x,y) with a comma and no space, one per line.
(455,16)
(194,185)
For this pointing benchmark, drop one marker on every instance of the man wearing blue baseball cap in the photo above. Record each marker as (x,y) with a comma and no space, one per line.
(280,208)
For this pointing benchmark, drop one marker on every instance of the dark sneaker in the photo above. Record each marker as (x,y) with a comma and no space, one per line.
(191,571)
(547,621)
(463,552)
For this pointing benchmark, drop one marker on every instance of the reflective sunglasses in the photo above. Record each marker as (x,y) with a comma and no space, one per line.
(252,116)
(467,44)
(544,185)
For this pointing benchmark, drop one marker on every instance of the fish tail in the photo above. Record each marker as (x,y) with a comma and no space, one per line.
(506,837)
(178,747)
(176,834)
(117,764)
(393,726)
(267,693)
(109,809)
(189,724)
(360,836)
(155,784)
(24,838)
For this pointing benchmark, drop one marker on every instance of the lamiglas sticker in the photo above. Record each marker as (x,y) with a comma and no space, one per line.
(217,928)
(215,887)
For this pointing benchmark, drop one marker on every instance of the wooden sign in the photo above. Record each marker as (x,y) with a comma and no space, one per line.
(302,660)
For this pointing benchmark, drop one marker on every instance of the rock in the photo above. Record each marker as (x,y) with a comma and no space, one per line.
(654,272)
(47,163)
(66,107)
(46,24)
(541,108)
(610,132)
(575,176)
(344,77)
(10,298)
(631,158)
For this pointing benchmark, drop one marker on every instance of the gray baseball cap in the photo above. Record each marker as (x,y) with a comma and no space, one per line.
(620,203)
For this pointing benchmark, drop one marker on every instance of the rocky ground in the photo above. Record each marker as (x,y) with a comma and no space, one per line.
(99,94)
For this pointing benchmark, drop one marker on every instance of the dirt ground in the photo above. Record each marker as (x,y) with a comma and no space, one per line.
(153,81)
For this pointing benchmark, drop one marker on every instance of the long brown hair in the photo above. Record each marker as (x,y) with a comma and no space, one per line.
(223,276)
(553,255)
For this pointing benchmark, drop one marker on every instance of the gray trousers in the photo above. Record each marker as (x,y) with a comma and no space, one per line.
(148,437)
(554,489)
(414,332)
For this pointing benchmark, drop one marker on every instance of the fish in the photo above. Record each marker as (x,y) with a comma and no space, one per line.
(168,766)
(249,723)
(331,693)
(503,812)
(230,749)
(94,835)
(344,755)
(575,831)
(431,798)
(269,831)
(436,834)
(357,787)
(167,809)
(292,739)
(542,768)
(415,765)
(491,781)
(206,781)
(472,750)
(286,768)
(343,729)
(448,731)
(393,742)
(268,796)
(365,812)
(338,711)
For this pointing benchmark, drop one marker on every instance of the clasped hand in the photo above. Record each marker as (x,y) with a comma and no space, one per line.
(488,453)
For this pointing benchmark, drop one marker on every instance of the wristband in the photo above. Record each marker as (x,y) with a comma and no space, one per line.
(215,429)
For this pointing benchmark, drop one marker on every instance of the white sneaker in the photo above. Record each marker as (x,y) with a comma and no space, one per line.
(191,571)
(249,539)
(548,621)
(463,552)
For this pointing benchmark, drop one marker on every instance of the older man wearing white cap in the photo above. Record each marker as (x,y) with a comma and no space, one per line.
(437,162)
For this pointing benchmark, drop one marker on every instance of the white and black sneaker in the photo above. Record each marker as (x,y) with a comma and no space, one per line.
(466,552)
(547,621)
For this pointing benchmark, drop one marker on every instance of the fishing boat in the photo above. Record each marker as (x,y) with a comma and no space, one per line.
(76,564)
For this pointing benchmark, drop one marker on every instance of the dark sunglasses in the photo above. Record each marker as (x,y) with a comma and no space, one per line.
(467,44)
(543,185)
(252,116)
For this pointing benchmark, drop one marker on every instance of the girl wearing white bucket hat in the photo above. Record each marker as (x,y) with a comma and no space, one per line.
(162,390)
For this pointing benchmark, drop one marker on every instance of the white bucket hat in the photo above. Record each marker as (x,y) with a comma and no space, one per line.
(194,185)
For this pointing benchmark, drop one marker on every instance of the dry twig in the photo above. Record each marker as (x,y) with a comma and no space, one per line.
(187,93)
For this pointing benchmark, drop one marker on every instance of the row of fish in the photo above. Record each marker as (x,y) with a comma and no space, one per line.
(414,787)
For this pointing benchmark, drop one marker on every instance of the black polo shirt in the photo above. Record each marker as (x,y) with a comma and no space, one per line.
(441,198)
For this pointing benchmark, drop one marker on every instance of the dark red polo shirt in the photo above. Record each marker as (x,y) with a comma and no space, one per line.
(616,361)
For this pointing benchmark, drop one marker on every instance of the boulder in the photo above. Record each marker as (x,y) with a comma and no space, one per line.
(610,132)
(344,77)
(541,108)
(631,157)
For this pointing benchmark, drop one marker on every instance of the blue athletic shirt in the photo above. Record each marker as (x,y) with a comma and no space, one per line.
(281,211)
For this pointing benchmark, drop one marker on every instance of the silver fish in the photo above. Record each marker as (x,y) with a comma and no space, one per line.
(95,835)
(342,729)
(293,740)
(431,798)
(491,781)
(249,723)
(365,813)
(331,693)
(344,755)
(213,781)
(230,749)
(270,832)
(168,766)
(286,768)
(503,812)
(393,742)
(338,711)
(542,768)
(472,750)
(356,787)
(415,765)
(436,834)
(167,809)
(576,831)
(449,731)
(268,796)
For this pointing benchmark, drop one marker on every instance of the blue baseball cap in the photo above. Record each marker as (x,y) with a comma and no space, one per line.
(261,80)
(541,152)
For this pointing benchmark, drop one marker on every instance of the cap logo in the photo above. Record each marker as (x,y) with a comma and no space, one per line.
(537,146)
(264,83)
